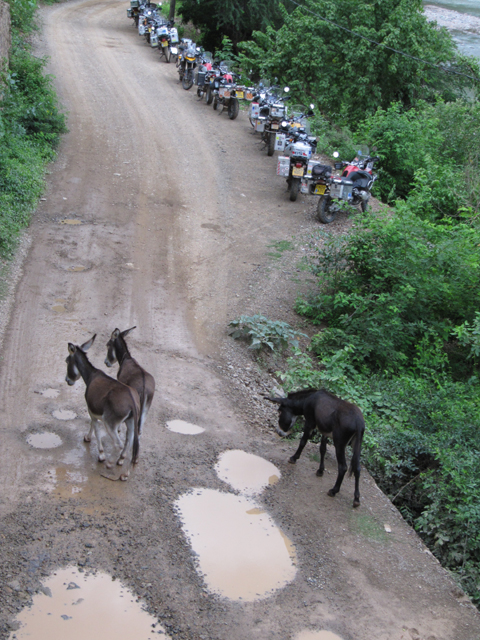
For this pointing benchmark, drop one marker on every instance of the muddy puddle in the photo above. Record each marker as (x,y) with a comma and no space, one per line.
(179,426)
(70,221)
(44,440)
(241,552)
(77,606)
(246,472)
(50,393)
(317,635)
(78,267)
(64,414)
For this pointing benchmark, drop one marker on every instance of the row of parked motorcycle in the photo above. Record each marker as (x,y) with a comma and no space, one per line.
(282,127)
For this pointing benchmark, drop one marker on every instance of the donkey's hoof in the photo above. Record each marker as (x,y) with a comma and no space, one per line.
(108,465)
(124,477)
(120,461)
(319,473)
(331,493)
(356,503)
(292,460)
(87,439)
(101,457)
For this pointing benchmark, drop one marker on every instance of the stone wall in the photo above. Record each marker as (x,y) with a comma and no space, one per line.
(5,38)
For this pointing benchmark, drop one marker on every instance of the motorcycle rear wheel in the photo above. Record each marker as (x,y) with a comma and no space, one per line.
(233,108)
(215,103)
(209,95)
(324,211)
(294,188)
(271,144)
(187,81)
(167,53)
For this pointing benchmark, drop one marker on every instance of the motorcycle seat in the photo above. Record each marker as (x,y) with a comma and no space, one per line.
(360,179)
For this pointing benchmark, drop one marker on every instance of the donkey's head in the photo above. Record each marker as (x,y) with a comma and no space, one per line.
(74,360)
(117,339)
(286,416)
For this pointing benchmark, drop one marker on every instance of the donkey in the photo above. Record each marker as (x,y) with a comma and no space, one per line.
(108,401)
(339,419)
(130,372)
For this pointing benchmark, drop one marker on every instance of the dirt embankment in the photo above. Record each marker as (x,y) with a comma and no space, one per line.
(161,213)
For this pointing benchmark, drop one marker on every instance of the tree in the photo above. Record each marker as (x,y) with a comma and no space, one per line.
(236,19)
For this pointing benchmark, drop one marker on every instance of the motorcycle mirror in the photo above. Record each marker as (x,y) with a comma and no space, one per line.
(275,80)
(262,96)
(312,106)
(286,89)
(335,154)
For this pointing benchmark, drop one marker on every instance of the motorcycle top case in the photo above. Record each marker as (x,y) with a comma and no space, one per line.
(280,139)
(162,31)
(283,166)
(134,4)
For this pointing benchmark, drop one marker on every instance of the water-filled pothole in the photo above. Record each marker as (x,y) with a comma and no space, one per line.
(317,635)
(77,606)
(246,472)
(241,552)
(179,426)
(44,440)
(64,414)
(50,393)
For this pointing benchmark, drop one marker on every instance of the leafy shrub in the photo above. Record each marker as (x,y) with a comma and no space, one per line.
(262,332)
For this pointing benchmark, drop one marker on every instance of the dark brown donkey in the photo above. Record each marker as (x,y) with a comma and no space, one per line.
(108,401)
(130,372)
(333,417)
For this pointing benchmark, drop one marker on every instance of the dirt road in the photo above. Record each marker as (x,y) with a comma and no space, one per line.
(159,213)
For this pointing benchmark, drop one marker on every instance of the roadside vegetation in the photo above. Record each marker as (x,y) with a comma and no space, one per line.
(395,312)
(30,127)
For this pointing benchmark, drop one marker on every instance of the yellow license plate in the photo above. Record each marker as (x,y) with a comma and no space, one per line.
(164,43)
(149,29)
(320,189)
(239,94)
(297,172)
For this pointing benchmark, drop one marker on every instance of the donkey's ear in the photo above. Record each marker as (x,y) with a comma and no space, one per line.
(71,348)
(86,345)
(115,334)
(127,331)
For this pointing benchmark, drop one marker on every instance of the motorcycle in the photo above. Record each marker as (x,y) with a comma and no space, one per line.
(136,9)
(186,62)
(228,93)
(298,145)
(267,111)
(167,36)
(353,187)
(203,73)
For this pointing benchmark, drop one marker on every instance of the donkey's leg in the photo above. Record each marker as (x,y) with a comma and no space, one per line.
(130,424)
(97,425)
(342,467)
(305,438)
(323,449)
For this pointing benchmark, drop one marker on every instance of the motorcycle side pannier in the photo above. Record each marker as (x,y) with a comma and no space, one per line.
(134,4)
(201,78)
(283,166)
(129,13)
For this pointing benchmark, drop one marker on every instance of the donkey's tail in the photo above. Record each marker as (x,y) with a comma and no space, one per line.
(356,443)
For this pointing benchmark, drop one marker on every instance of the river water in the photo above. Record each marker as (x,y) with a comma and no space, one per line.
(462,18)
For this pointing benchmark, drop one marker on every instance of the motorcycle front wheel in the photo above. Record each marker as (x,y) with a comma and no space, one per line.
(209,95)
(294,188)
(233,108)
(271,144)
(325,213)
(187,81)
(215,103)
(364,206)
(167,53)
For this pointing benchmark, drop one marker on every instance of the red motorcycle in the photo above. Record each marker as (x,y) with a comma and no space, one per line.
(353,187)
